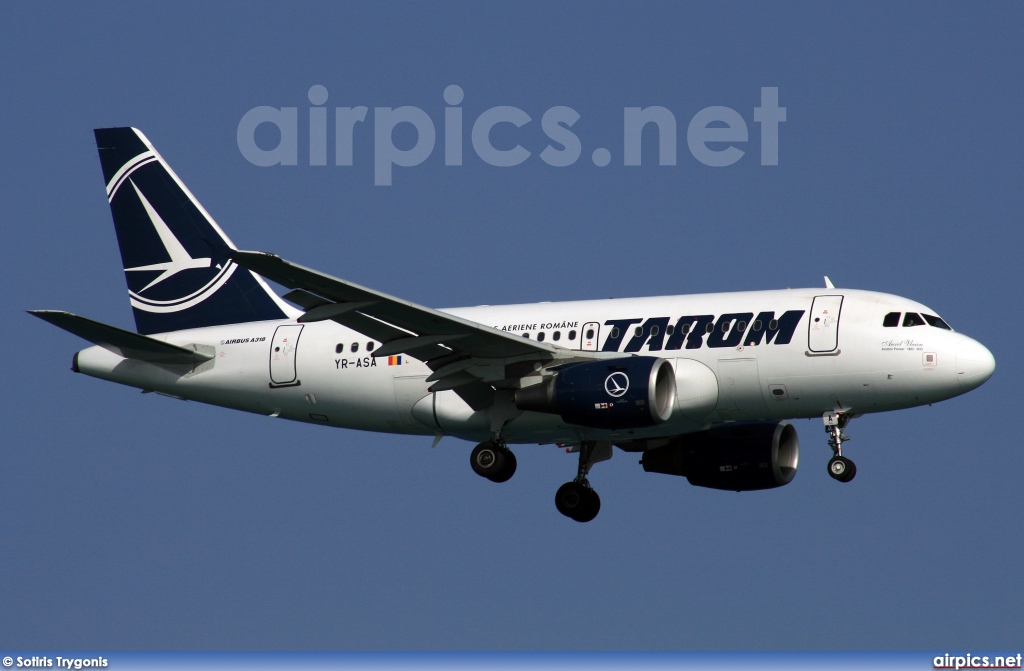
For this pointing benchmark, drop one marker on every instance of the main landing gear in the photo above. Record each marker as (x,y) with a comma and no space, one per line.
(839,467)
(493,460)
(577,500)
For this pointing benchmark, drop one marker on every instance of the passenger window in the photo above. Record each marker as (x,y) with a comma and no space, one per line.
(526,335)
(340,348)
(540,337)
(710,328)
(936,322)
(756,326)
(355,347)
(556,336)
(773,325)
(891,319)
(686,328)
(655,330)
(369,347)
(741,326)
(590,334)
(572,335)
(670,329)
(638,331)
(912,319)
(615,333)
(725,326)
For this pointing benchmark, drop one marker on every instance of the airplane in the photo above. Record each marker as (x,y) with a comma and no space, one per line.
(701,386)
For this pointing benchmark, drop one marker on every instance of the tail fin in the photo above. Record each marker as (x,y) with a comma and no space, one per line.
(176,258)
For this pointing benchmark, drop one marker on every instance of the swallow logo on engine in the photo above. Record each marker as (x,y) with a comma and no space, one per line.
(616,384)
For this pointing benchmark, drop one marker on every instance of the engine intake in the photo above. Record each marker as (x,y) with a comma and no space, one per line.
(627,393)
(738,457)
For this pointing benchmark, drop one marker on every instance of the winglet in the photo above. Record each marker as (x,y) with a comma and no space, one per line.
(828,283)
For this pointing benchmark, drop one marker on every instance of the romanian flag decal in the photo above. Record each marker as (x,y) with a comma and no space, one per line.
(395,360)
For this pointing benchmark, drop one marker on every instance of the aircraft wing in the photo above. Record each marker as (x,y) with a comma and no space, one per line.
(119,341)
(440,339)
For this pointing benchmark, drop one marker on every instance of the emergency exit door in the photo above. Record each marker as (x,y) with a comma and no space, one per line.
(589,335)
(823,329)
(282,356)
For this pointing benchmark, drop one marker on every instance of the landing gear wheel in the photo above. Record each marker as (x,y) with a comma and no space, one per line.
(569,498)
(842,469)
(509,468)
(577,501)
(488,459)
(591,508)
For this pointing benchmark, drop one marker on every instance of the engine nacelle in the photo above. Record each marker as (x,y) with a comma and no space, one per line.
(627,393)
(738,457)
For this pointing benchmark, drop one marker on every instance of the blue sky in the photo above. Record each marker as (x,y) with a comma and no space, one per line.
(140,522)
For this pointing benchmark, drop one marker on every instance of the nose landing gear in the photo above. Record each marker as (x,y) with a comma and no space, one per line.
(839,467)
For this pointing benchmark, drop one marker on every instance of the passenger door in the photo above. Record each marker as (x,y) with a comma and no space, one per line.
(282,356)
(823,327)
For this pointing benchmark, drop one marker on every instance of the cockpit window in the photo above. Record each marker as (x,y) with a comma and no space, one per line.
(891,319)
(936,322)
(913,319)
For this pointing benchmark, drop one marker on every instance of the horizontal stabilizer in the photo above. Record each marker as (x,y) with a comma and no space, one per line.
(119,341)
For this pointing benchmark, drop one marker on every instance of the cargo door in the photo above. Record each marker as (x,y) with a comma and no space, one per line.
(739,390)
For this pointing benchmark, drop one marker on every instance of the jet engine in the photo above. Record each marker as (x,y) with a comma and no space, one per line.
(627,393)
(739,457)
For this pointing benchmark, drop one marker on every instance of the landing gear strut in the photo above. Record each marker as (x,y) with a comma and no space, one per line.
(493,460)
(839,467)
(577,500)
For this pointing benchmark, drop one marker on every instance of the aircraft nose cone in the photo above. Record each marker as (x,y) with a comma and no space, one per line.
(974,364)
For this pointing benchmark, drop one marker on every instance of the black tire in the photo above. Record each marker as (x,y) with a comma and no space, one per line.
(851,471)
(577,502)
(591,507)
(569,498)
(487,459)
(841,469)
(506,473)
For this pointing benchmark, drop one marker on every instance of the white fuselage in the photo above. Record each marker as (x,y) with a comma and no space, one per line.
(840,356)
